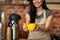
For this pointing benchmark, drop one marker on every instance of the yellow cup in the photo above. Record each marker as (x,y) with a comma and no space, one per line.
(31,26)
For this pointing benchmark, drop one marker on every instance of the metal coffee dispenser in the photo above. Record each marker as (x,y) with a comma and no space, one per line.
(1,24)
(13,23)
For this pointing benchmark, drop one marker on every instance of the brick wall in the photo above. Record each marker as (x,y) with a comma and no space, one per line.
(55,26)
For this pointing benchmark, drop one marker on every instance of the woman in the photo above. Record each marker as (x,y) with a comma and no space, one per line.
(40,15)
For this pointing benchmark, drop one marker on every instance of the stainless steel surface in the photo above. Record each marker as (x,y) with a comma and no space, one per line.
(14,30)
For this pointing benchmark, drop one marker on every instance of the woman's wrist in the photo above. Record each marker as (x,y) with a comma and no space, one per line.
(24,27)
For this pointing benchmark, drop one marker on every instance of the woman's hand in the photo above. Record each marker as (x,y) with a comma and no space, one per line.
(40,28)
(37,27)
(24,27)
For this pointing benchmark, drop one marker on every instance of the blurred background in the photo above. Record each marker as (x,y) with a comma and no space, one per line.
(21,6)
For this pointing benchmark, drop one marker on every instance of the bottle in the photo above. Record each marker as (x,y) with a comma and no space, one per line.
(3,1)
(0,1)
(8,1)
(13,1)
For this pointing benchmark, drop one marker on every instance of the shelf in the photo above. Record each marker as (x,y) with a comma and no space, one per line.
(21,4)
(18,4)
(53,2)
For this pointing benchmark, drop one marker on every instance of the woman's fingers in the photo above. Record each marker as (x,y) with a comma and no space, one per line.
(37,27)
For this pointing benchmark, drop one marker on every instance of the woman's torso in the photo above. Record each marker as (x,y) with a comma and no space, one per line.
(40,34)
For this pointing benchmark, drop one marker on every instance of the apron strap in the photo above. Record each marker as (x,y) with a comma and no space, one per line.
(44,15)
